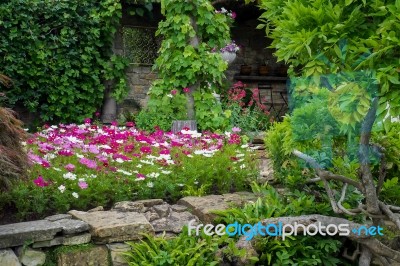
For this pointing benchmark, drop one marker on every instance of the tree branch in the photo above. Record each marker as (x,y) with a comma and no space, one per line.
(339,203)
(386,210)
(374,245)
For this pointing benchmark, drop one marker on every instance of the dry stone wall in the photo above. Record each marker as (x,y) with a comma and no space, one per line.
(28,243)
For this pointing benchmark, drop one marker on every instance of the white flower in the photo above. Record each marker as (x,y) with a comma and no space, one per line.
(61,188)
(57,169)
(170,162)
(207,155)
(49,156)
(119,160)
(150,184)
(70,176)
(242,166)
(23,143)
(120,141)
(240,155)
(181,185)
(124,172)
(147,162)
(189,155)
(81,179)
(139,166)
(79,155)
(244,146)
(228,134)
(75,195)
(169,95)
(153,175)
(165,172)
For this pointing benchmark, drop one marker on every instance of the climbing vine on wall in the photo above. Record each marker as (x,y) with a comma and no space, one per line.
(190,31)
(58,53)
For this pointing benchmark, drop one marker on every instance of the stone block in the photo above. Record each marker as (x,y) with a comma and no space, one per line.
(77,240)
(162,210)
(70,226)
(31,257)
(49,243)
(202,207)
(18,234)
(116,252)
(129,206)
(57,217)
(113,226)
(8,258)
(94,256)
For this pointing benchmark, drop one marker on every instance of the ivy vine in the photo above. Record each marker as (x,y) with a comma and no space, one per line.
(190,31)
(58,54)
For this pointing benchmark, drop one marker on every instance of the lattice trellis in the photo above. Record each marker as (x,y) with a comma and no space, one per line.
(140,44)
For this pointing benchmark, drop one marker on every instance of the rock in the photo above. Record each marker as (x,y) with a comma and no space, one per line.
(72,226)
(49,243)
(57,217)
(151,202)
(178,208)
(129,206)
(113,226)
(97,209)
(116,252)
(64,240)
(177,220)
(18,234)
(31,257)
(77,240)
(203,207)
(8,258)
(96,256)
(242,243)
(160,225)
(162,210)
(151,216)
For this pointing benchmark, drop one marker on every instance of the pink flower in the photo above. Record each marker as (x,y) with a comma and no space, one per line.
(165,151)
(236,129)
(70,167)
(82,184)
(186,90)
(114,123)
(87,120)
(233,15)
(173,92)
(97,114)
(140,176)
(40,182)
(88,163)
(45,164)
(130,124)
(65,152)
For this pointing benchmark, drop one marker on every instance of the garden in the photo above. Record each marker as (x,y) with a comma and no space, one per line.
(334,154)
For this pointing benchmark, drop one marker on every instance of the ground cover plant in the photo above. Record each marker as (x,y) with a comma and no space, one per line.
(83,166)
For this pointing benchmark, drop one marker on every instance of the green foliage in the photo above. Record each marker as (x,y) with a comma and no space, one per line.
(181,250)
(299,250)
(59,54)
(340,37)
(182,64)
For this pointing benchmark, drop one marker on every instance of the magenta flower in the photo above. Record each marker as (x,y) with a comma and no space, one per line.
(40,182)
(82,184)
(140,176)
(233,15)
(97,114)
(87,120)
(65,152)
(145,149)
(130,124)
(45,164)
(173,92)
(70,167)
(186,90)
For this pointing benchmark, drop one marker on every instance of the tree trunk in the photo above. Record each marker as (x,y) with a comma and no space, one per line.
(194,41)
(371,198)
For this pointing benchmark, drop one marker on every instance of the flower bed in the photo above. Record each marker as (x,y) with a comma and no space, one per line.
(84,166)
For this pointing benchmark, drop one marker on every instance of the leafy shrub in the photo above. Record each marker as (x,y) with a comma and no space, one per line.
(299,250)
(60,73)
(181,250)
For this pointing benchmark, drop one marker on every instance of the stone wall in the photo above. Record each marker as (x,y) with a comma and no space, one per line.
(105,232)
